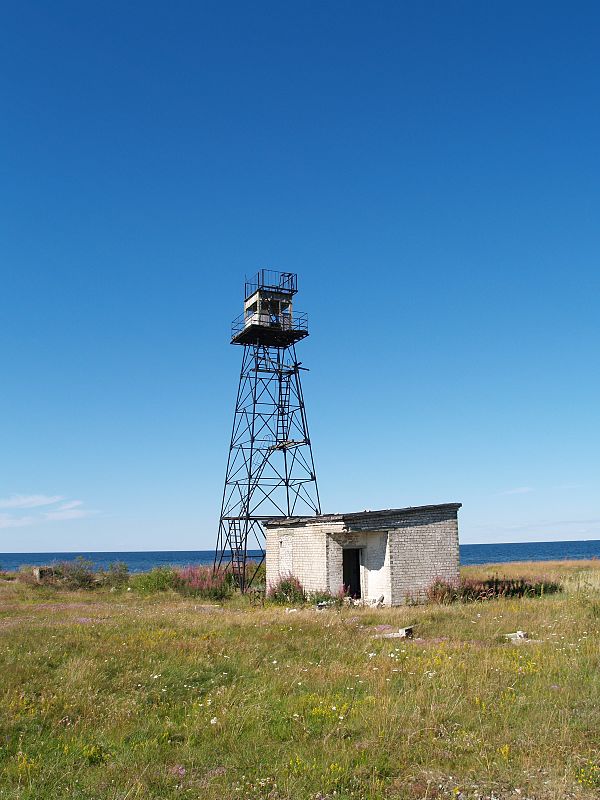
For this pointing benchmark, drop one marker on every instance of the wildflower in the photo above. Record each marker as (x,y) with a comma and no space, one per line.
(213,721)
(504,751)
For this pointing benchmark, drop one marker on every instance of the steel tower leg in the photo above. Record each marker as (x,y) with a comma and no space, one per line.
(270,469)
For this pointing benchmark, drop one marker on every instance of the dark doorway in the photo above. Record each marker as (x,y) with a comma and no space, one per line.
(351,570)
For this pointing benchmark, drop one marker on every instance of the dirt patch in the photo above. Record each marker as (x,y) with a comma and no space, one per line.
(11,622)
(209,609)
(65,606)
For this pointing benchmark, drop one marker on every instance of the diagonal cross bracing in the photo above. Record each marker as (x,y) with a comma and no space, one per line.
(270,468)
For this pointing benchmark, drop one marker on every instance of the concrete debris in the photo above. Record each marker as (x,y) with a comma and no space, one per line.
(402,633)
(40,573)
(350,601)
(513,637)
(325,604)
(378,602)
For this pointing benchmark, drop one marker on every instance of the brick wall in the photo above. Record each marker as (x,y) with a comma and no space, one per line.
(423,546)
(402,550)
(301,551)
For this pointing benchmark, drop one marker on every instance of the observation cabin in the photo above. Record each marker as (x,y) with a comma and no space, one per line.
(269,318)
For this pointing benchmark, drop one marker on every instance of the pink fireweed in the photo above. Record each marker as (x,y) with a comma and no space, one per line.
(203,581)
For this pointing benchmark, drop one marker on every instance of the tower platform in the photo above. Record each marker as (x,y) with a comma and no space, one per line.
(259,328)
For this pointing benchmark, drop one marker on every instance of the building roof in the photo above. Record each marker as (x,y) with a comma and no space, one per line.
(277,522)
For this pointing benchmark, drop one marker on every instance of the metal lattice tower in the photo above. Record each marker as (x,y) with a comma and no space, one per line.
(270,469)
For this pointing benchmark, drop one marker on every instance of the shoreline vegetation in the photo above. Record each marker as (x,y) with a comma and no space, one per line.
(160,686)
(202,581)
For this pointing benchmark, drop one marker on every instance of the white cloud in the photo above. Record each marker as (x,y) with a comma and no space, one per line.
(70,510)
(10,521)
(70,504)
(29,500)
(67,510)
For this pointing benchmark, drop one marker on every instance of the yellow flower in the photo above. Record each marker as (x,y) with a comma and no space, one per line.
(504,751)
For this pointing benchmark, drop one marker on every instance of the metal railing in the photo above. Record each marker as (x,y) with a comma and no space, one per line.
(271,279)
(298,321)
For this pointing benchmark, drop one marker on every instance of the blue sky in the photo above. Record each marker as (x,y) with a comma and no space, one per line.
(430,171)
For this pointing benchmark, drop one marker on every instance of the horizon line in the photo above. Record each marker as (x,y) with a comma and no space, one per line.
(211,550)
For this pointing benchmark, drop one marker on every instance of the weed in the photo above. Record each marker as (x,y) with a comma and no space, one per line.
(201,581)
(116,576)
(336,599)
(159,579)
(469,590)
(76,574)
(287,591)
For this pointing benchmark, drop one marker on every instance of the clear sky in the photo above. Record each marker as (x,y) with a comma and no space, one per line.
(430,170)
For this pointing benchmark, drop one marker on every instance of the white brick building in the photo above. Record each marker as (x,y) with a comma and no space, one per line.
(395,554)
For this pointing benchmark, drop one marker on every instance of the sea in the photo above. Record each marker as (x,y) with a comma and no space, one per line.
(142,561)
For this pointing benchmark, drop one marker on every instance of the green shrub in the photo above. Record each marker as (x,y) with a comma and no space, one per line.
(76,574)
(116,576)
(287,591)
(159,579)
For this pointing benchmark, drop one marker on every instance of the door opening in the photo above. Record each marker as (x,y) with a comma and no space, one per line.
(351,571)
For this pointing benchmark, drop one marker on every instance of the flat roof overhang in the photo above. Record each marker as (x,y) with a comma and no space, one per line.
(356,516)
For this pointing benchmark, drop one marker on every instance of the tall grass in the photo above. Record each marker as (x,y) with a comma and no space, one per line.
(191,581)
(472,590)
(198,581)
(108,696)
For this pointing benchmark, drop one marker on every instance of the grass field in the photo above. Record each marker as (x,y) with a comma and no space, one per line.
(113,695)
